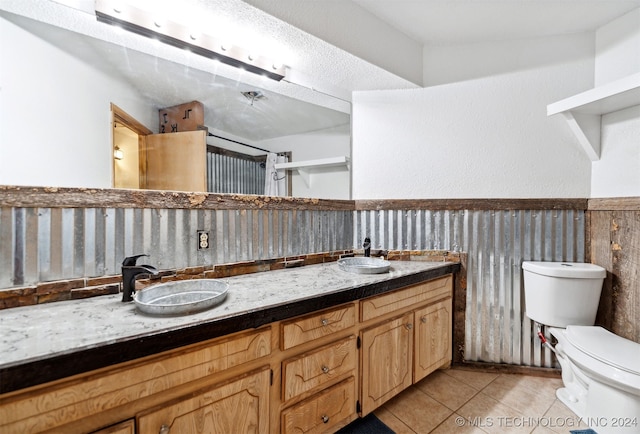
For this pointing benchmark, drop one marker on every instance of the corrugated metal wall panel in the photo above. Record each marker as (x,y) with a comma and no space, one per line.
(42,244)
(227,174)
(45,244)
(497,242)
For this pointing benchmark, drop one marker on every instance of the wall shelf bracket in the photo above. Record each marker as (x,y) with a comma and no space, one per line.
(306,168)
(583,112)
(586,128)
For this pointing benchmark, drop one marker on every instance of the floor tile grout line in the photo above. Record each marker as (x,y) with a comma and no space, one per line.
(476,391)
(402,422)
(453,414)
(460,406)
(445,371)
(515,409)
(431,397)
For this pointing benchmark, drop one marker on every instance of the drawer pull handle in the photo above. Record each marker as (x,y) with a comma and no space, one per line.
(164,429)
(423,319)
(324,321)
(409,326)
(325,369)
(325,419)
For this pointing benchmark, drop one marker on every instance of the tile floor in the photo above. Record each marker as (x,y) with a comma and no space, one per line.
(465,401)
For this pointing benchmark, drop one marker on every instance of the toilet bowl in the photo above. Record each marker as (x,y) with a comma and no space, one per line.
(600,370)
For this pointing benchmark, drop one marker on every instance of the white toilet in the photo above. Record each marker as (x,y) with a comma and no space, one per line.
(600,370)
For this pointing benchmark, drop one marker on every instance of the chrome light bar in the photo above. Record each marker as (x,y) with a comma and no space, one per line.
(142,22)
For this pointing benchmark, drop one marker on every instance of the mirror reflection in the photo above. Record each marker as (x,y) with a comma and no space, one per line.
(171,125)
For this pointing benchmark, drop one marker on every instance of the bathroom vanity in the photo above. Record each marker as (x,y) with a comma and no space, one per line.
(297,350)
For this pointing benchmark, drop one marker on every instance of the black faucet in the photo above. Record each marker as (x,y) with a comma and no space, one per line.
(129,272)
(367,247)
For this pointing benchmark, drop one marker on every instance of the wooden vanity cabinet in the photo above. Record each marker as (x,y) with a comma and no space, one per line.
(101,398)
(387,351)
(308,374)
(432,339)
(240,405)
(318,391)
(408,337)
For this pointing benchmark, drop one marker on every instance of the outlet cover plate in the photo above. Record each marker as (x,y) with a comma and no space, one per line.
(203,240)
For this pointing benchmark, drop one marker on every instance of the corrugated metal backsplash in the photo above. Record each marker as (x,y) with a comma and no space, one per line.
(496,242)
(43,244)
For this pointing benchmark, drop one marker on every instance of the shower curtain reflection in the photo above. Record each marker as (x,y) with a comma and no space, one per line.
(275,183)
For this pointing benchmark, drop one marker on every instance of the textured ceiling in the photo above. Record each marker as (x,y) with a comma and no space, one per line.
(470,21)
(167,76)
(301,103)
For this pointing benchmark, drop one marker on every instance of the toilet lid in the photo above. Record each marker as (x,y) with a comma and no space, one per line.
(606,347)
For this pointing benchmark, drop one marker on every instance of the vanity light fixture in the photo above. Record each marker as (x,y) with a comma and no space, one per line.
(144,23)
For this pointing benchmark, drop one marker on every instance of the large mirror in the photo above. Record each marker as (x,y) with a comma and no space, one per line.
(64,86)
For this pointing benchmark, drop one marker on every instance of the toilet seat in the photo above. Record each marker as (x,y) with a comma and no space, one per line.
(606,347)
(599,347)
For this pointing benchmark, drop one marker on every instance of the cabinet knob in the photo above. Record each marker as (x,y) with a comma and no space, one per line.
(409,326)
(325,369)
(325,418)
(423,319)
(164,429)
(324,321)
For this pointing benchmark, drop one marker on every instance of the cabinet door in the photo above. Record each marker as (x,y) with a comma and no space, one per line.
(432,338)
(238,406)
(387,357)
(176,161)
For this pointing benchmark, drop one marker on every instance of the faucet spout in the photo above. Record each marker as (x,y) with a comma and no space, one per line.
(367,247)
(129,273)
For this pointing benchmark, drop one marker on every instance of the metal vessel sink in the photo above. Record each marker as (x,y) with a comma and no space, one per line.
(364,265)
(181,297)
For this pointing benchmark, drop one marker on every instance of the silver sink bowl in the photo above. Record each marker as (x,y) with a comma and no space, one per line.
(364,265)
(181,297)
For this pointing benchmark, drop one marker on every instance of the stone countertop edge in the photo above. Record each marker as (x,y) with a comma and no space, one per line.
(28,372)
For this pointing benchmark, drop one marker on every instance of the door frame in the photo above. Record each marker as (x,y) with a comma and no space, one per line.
(124,118)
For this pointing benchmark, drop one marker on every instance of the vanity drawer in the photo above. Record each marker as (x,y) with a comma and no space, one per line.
(317,325)
(93,394)
(314,369)
(380,305)
(322,411)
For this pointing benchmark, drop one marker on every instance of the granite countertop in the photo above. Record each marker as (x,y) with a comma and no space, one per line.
(50,341)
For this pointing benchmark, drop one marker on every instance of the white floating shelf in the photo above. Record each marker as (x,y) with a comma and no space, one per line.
(584,111)
(304,168)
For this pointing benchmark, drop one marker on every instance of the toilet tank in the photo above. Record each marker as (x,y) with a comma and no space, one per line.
(559,294)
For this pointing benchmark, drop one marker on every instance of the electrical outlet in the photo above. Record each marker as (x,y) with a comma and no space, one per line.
(203,240)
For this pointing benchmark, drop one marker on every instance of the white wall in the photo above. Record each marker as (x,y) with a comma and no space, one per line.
(326,183)
(617,173)
(618,48)
(480,137)
(55,121)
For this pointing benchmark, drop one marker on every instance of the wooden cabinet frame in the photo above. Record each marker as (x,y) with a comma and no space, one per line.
(408,329)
